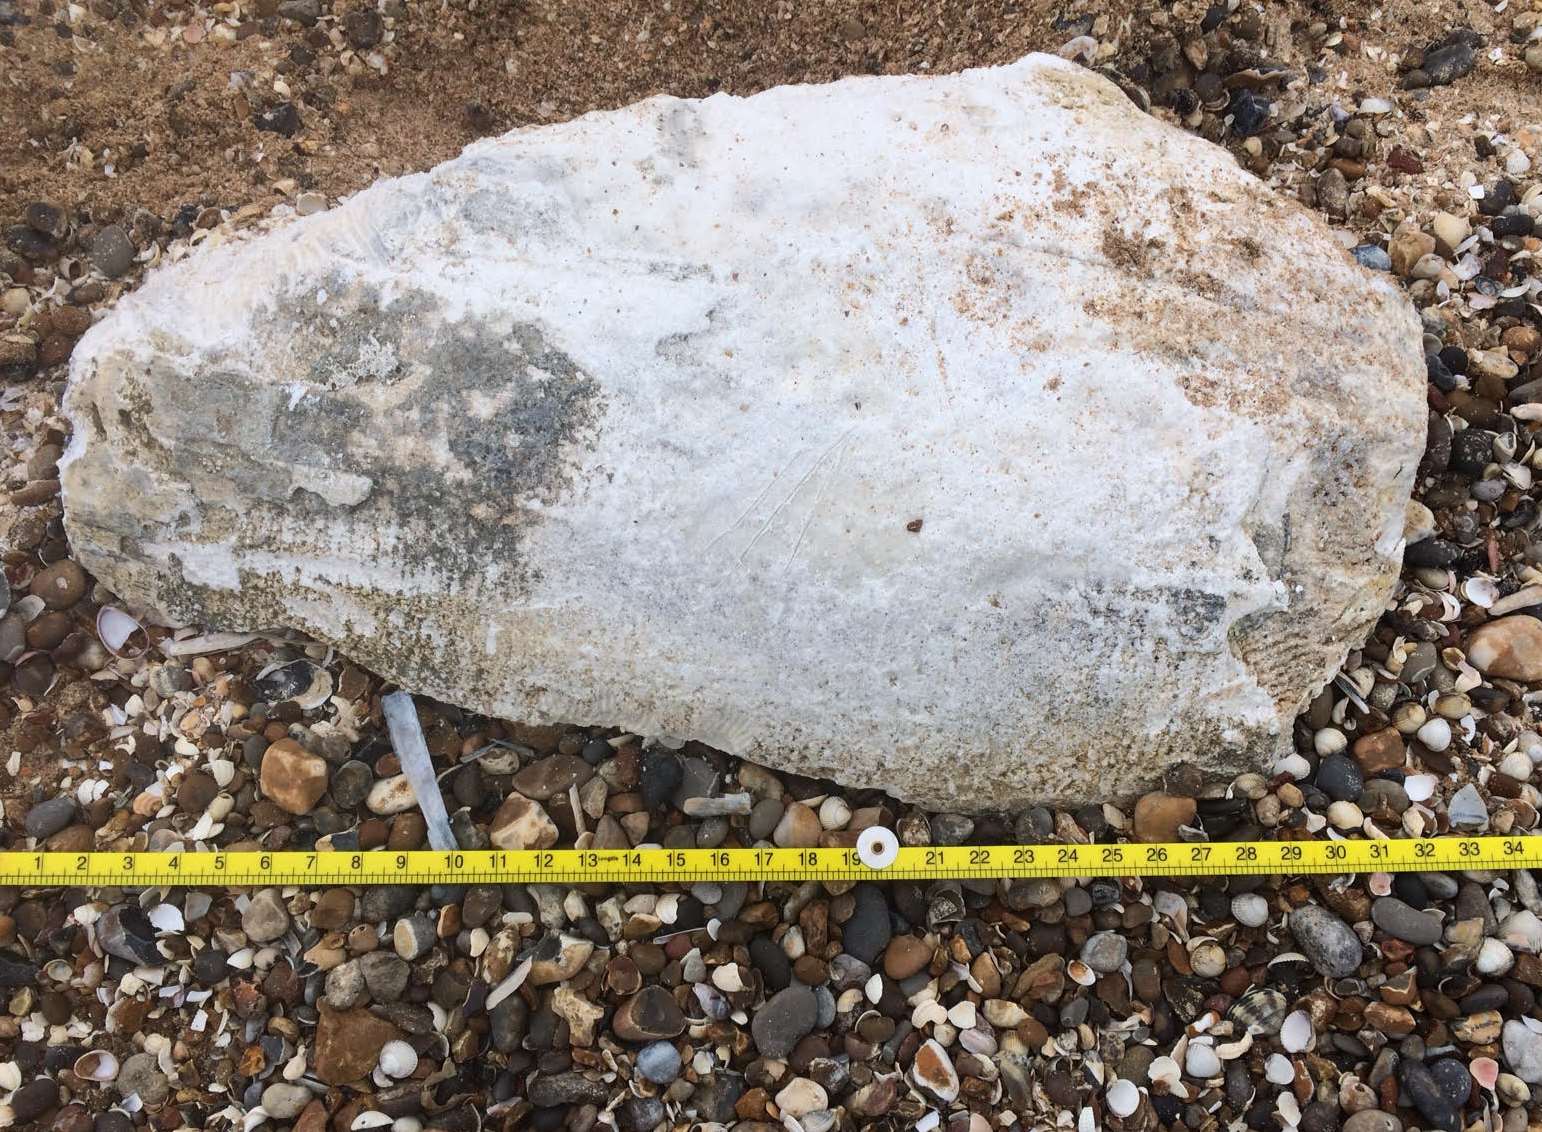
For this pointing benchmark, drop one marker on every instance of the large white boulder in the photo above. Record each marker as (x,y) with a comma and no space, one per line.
(976,437)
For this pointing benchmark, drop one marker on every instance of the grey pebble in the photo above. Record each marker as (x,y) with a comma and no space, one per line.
(111,251)
(142,1074)
(284,1101)
(783,1021)
(351,783)
(385,975)
(344,987)
(659,1062)
(1326,940)
(1105,952)
(47,818)
(1401,921)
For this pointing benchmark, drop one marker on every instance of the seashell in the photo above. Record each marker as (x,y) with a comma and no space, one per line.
(372,1119)
(1258,1012)
(1230,1051)
(120,633)
(303,681)
(1278,1070)
(1288,968)
(398,1059)
(1485,1071)
(1296,1032)
(1081,974)
(166,918)
(1167,1077)
(98,1065)
(1123,1098)
(1481,591)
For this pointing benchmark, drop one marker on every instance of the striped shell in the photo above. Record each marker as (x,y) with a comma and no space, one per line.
(1259,1012)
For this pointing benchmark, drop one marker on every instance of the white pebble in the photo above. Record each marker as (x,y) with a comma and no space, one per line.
(728,978)
(1279,1070)
(398,1059)
(1436,734)
(1420,787)
(1123,1098)
(1250,910)
(1345,815)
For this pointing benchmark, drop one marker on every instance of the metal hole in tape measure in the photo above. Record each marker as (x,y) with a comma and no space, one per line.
(877,855)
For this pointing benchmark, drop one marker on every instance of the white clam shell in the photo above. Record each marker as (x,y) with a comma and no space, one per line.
(98,1065)
(1123,1098)
(1296,1032)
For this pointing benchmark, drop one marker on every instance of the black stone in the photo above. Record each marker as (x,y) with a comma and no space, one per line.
(1412,891)
(209,966)
(1455,358)
(1498,198)
(772,963)
(567,1088)
(282,119)
(45,218)
(1439,374)
(1319,1116)
(363,27)
(1436,552)
(1472,450)
(1249,112)
(1422,1088)
(29,243)
(1445,65)
(1339,777)
(661,776)
(868,931)
(1513,222)
(640,1114)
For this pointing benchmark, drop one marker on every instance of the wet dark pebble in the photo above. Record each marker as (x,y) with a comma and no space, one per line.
(1340,778)
(867,932)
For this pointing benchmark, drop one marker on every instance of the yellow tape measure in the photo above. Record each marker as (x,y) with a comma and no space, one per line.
(883,861)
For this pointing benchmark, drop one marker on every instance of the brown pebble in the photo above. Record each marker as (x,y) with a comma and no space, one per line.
(373,833)
(906,955)
(1380,750)
(333,909)
(1158,816)
(408,831)
(48,630)
(60,585)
